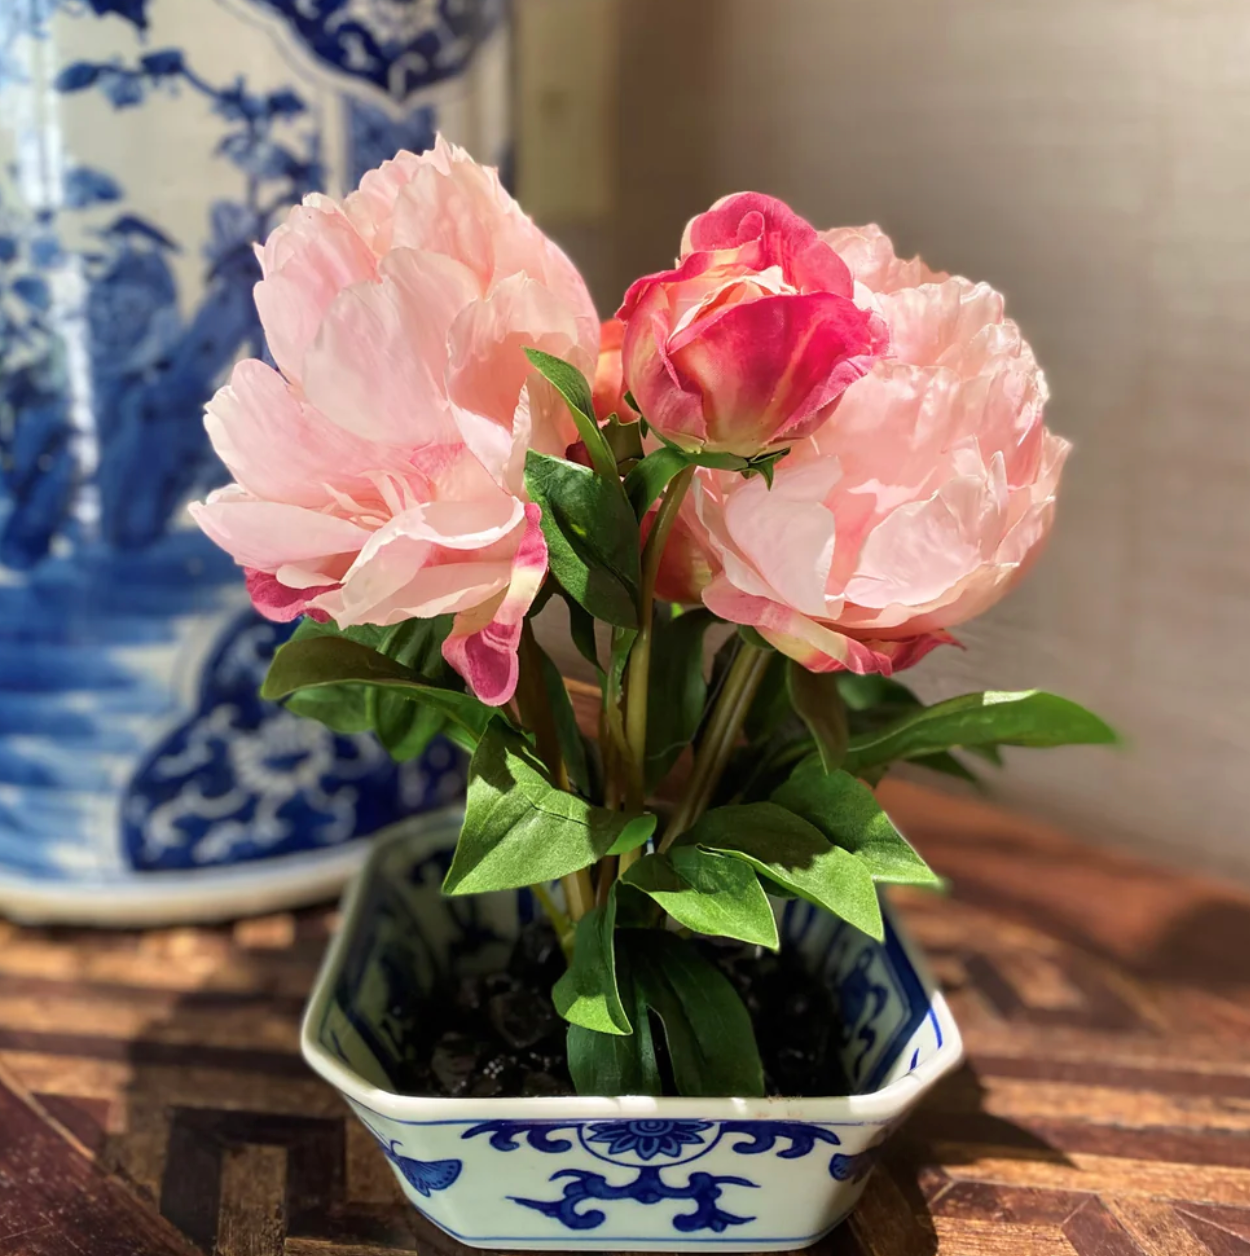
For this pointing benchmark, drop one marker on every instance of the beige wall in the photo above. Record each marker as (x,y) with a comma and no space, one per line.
(1091,158)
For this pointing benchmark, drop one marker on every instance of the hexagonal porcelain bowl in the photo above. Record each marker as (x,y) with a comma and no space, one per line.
(633,1172)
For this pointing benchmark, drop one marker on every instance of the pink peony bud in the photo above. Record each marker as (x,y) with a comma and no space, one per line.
(750,342)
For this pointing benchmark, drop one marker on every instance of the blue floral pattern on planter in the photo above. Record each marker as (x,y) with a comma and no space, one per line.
(649,1187)
(626,1142)
(648,1139)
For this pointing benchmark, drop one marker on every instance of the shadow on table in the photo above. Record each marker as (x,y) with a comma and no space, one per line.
(951,1130)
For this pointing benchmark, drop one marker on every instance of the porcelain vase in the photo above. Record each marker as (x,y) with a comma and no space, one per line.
(144,146)
(622,1173)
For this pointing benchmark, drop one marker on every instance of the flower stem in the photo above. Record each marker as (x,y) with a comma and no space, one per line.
(737,693)
(640,655)
(535,711)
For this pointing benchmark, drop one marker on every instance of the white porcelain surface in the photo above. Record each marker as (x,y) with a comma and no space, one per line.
(634,1172)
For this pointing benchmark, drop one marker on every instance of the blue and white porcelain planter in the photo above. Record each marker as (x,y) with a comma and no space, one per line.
(633,1173)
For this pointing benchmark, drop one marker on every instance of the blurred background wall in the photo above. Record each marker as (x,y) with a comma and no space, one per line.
(1090,158)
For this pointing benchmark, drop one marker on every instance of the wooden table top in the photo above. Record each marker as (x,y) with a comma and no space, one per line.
(152,1098)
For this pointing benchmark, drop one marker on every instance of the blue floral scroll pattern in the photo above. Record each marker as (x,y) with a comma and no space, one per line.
(242,779)
(398,47)
(100,451)
(628,1142)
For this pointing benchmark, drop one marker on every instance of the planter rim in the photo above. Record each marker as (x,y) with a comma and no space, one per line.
(874,1107)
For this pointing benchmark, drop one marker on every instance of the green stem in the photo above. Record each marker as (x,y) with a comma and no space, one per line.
(535,712)
(564,927)
(745,674)
(640,655)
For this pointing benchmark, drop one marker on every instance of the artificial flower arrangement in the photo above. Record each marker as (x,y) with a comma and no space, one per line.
(793,440)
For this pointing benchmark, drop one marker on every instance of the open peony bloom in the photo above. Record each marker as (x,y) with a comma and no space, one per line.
(915,507)
(750,342)
(379,477)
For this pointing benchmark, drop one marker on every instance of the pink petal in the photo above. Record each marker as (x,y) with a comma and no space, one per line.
(487,371)
(433,559)
(817,646)
(376,368)
(269,535)
(306,262)
(281,604)
(771,369)
(483,643)
(278,447)
(779,238)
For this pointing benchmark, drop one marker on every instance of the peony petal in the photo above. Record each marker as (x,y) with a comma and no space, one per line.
(267,535)
(779,238)
(487,373)
(818,647)
(771,369)
(280,448)
(870,255)
(391,578)
(483,643)
(376,367)
(306,262)
(279,603)
(787,532)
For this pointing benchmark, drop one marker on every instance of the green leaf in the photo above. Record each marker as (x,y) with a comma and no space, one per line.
(708,1031)
(946,763)
(569,736)
(863,693)
(676,689)
(519,829)
(796,855)
(770,708)
(586,993)
(344,708)
(571,384)
(405,727)
(818,702)
(617,1064)
(636,833)
(592,536)
(1027,718)
(316,661)
(710,894)
(646,481)
(847,813)
(756,464)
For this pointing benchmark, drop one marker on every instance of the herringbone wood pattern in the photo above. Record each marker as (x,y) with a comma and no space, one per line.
(152,1099)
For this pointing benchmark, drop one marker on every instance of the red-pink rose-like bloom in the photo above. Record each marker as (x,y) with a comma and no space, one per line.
(379,476)
(915,507)
(750,342)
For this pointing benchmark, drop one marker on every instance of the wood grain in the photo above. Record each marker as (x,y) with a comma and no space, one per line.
(152,1099)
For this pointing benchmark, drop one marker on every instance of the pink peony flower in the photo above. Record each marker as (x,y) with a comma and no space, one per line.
(915,507)
(750,342)
(379,477)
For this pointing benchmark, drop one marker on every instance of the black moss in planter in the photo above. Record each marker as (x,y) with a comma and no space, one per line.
(478,1037)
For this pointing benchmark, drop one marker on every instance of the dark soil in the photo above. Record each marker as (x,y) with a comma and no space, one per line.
(500,1034)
